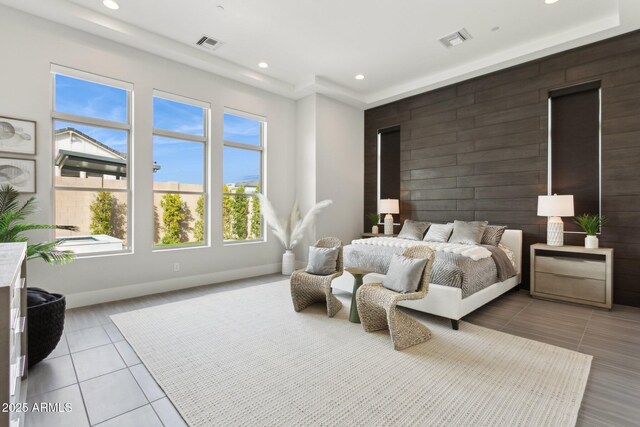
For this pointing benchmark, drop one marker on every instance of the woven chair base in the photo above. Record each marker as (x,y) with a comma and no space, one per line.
(404,330)
(303,296)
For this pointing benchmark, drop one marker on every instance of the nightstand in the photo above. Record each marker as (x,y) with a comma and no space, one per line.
(572,274)
(367,235)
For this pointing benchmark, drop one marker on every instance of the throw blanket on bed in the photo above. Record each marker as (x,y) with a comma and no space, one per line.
(449,268)
(471,251)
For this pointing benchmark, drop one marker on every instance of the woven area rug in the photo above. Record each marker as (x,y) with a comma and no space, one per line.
(246,358)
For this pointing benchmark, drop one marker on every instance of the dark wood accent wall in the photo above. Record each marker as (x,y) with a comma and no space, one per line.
(477,150)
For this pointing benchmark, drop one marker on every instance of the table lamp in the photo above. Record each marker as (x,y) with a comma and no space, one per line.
(389,207)
(555,207)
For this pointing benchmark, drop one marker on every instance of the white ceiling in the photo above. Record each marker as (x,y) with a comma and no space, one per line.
(314,45)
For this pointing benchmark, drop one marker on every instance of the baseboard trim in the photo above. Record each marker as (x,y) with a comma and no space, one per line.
(82,299)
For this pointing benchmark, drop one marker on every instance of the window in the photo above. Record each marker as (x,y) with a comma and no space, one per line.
(92,133)
(180,129)
(574,152)
(244,137)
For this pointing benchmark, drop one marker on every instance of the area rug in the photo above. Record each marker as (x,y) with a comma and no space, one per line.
(246,358)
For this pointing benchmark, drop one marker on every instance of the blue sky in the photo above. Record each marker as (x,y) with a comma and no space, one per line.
(180,161)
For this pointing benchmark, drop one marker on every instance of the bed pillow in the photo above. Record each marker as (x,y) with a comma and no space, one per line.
(493,234)
(404,274)
(413,230)
(322,261)
(438,233)
(468,232)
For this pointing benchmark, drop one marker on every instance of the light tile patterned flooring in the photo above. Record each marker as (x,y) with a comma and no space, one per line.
(95,369)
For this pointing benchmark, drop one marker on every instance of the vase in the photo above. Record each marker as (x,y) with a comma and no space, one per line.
(591,242)
(374,229)
(288,262)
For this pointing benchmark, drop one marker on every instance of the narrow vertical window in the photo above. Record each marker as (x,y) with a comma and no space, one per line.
(180,134)
(244,141)
(92,138)
(574,163)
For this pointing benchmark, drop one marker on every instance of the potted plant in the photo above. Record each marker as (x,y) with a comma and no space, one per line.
(45,311)
(374,218)
(590,224)
(290,232)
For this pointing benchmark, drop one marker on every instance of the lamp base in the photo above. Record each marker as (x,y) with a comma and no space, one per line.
(555,231)
(388,224)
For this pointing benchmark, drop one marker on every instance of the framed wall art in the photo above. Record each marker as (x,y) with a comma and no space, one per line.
(19,173)
(17,136)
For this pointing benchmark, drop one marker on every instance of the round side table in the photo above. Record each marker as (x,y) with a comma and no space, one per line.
(358,274)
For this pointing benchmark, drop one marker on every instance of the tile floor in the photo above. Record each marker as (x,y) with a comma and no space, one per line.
(95,369)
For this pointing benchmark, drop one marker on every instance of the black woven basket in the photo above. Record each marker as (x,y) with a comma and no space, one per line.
(45,323)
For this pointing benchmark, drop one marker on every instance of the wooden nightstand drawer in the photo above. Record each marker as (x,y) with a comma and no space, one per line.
(572,274)
(571,267)
(580,288)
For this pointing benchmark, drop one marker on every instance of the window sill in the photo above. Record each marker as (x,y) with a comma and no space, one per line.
(242,242)
(103,254)
(179,247)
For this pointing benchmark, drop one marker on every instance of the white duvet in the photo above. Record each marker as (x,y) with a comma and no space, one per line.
(470,251)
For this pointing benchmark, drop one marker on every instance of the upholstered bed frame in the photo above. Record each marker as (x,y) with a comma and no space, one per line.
(447,301)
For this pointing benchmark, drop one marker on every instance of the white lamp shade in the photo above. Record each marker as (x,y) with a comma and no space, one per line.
(391,206)
(555,205)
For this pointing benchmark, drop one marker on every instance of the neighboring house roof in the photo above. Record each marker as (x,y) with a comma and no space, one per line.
(74,160)
(91,140)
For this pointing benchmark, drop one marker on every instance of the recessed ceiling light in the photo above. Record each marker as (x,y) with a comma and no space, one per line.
(360,77)
(111,4)
(263,65)
(550,1)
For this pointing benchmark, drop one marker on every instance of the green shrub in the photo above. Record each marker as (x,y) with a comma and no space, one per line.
(254,221)
(227,214)
(172,217)
(240,211)
(198,226)
(101,209)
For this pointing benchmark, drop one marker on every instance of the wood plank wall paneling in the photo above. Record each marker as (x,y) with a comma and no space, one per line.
(477,150)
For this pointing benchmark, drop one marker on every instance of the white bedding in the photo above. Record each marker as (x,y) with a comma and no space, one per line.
(473,252)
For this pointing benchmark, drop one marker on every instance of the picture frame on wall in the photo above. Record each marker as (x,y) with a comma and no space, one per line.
(19,173)
(17,136)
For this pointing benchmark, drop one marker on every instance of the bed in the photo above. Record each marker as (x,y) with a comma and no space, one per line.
(452,302)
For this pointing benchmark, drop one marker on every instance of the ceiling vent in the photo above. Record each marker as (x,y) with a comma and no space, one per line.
(208,43)
(456,38)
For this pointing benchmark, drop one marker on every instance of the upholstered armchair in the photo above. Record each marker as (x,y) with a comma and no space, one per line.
(378,309)
(307,289)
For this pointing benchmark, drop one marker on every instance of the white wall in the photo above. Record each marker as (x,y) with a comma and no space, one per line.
(30,45)
(305,163)
(330,140)
(340,168)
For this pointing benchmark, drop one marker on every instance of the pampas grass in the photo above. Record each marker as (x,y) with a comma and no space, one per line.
(290,232)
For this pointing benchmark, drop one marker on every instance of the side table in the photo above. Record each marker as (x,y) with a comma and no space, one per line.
(358,274)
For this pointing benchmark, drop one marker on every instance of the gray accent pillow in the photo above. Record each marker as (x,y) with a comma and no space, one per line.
(404,274)
(493,234)
(322,261)
(413,230)
(438,233)
(468,232)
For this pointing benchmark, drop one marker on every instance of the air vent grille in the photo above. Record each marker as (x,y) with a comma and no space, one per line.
(456,38)
(208,43)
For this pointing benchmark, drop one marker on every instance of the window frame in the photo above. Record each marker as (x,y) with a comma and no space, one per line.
(260,148)
(128,126)
(185,137)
